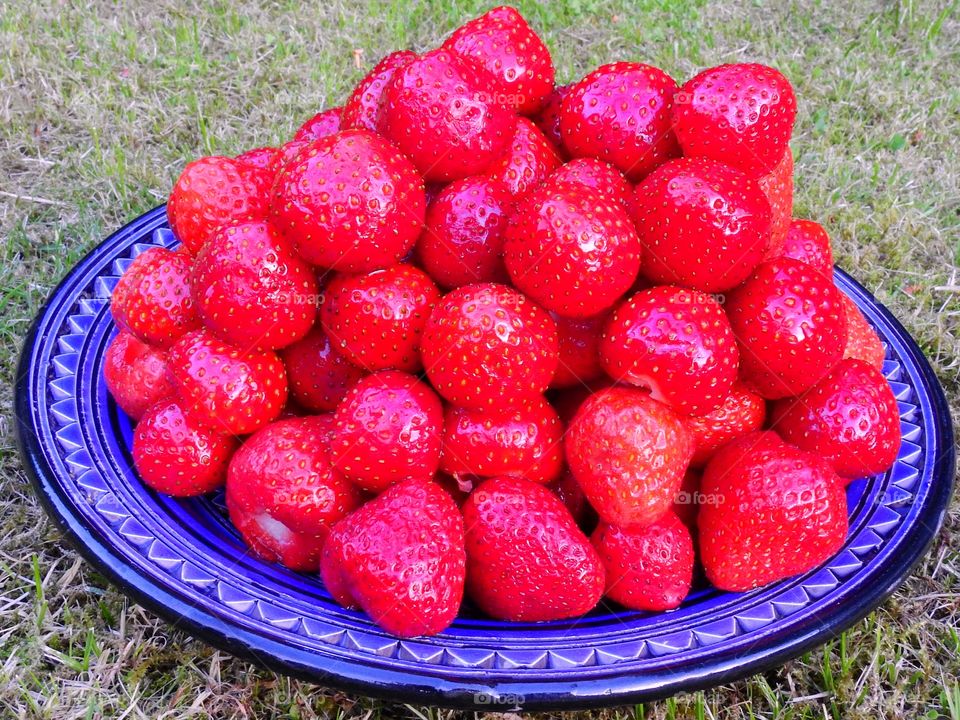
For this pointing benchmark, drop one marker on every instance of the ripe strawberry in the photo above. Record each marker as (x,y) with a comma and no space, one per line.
(686,505)
(221,387)
(265,158)
(439,112)
(388,428)
(283,494)
(807,241)
(528,160)
(362,108)
(503,44)
(350,202)
(629,453)
(251,290)
(570,250)
(410,579)
(649,567)
(741,412)
(571,495)
(579,362)
(703,224)
(777,185)
(789,323)
(462,242)
(620,113)
(135,374)
(151,300)
(780,512)
(863,343)
(850,418)
(486,345)
(548,118)
(173,455)
(598,175)
(675,342)
(376,320)
(318,374)
(740,114)
(213,192)
(324,124)
(527,561)
(523,441)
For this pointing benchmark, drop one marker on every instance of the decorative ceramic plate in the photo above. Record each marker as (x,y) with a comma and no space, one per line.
(183,559)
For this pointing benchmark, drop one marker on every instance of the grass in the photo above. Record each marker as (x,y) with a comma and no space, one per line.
(101,105)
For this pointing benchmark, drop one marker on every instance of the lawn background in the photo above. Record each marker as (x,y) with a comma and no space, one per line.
(101,104)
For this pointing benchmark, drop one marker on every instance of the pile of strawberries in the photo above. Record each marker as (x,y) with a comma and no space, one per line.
(473,333)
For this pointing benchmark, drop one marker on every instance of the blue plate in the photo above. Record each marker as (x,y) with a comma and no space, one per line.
(183,559)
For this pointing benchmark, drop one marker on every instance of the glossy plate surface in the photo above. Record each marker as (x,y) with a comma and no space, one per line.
(183,560)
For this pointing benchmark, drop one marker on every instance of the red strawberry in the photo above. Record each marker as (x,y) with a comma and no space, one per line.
(703,224)
(850,418)
(362,108)
(486,345)
(151,300)
(675,342)
(629,454)
(439,112)
(571,495)
(686,505)
(863,343)
(283,493)
(504,44)
(598,175)
(388,428)
(620,113)
(579,362)
(462,242)
(649,567)
(789,322)
(265,158)
(213,192)
(778,187)
(135,374)
(529,158)
(376,320)
(324,124)
(570,250)
(319,375)
(780,511)
(741,412)
(251,290)
(221,387)
(527,561)
(524,441)
(548,118)
(808,242)
(350,202)
(410,579)
(740,114)
(173,455)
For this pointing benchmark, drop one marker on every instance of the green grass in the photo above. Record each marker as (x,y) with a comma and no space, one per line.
(100,107)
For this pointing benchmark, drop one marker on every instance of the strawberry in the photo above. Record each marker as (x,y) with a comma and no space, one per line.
(686,505)
(319,375)
(283,494)
(598,175)
(571,495)
(740,114)
(486,345)
(527,561)
(388,428)
(570,250)
(777,185)
(135,374)
(703,224)
(579,362)
(350,202)
(251,290)
(850,418)
(863,343)
(620,113)
(780,511)
(524,441)
(462,242)
(410,579)
(790,325)
(529,158)
(221,387)
(439,112)
(807,241)
(324,124)
(503,43)
(629,453)
(213,192)
(649,567)
(548,118)
(151,300)
(362,108)
(265,158)
(675,342)
(741,412)
(376,320)
(173,455)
